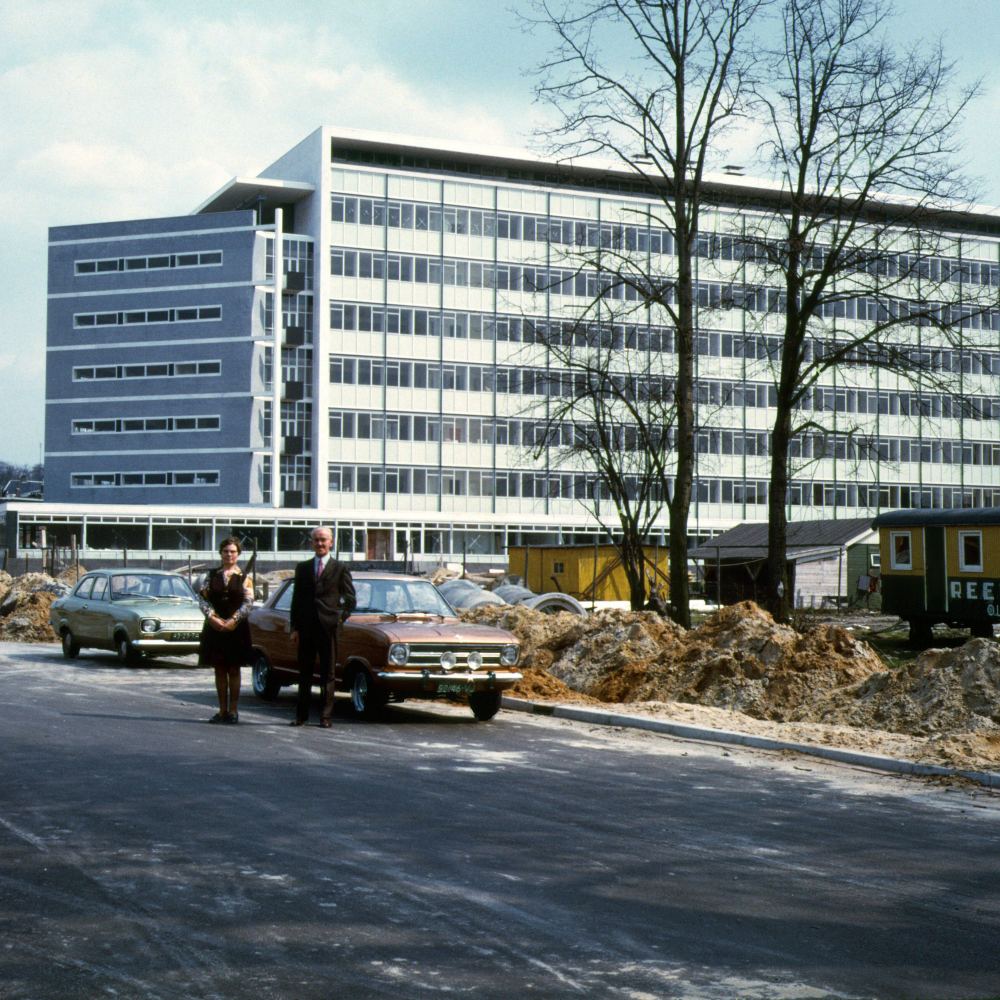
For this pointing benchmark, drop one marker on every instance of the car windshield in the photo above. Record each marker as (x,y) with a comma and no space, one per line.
(399,597)
(125,585)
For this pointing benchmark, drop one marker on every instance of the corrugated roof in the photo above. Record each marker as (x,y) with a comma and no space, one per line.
(749,540)
(920,518)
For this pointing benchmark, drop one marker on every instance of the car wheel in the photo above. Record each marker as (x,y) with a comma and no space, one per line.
(70,646)
(125,650)
(264,680)
(366,699)
(484,704)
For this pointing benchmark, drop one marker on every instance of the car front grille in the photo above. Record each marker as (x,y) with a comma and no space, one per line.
(429,655)
(194,626)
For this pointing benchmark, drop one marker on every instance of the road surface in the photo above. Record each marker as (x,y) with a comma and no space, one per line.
(145,853)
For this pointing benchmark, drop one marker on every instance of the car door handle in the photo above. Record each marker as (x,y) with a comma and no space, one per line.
(83,607)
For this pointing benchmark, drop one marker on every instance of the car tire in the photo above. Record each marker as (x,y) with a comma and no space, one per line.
(264,680)
(127,654)
(366,699)
(484,704)
(70,647)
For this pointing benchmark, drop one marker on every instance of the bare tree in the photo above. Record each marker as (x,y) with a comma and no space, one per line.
(607,428)
(659,105)
(863,144)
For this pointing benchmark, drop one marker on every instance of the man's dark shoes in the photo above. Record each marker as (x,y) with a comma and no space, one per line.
(297,722)
(218,717)
(325,723)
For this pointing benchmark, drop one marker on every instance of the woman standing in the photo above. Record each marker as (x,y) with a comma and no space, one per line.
(226,597)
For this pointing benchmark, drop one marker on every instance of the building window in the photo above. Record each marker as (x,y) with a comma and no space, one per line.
(189,314)
(899,544)
(178,369)
(104,479)
(970,551)
(210,258)
(146,425)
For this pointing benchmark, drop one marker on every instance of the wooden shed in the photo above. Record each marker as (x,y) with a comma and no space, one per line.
(941,566)
(573,569)
(828,561)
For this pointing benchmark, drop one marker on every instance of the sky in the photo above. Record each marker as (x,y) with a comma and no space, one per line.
(118,109)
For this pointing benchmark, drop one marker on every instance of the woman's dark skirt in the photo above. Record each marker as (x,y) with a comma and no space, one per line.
(225,649)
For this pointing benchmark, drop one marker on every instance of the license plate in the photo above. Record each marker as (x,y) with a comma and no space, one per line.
(186,636)
(456,687)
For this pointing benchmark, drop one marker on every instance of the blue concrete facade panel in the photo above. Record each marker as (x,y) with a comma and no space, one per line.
(236,306)
(235,371)
(236,249)
(233,480)
(148,227)
(234,424)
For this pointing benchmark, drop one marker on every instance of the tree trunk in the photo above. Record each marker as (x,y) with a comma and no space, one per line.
(778,585)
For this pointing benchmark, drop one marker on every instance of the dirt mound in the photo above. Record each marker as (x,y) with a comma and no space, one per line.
(69,575)
(5,580)
(29,621)
(942,690)
(539,634)
(738,659)
(30,583)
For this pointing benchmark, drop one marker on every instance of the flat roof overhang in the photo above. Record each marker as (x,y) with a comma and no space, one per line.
(244,192)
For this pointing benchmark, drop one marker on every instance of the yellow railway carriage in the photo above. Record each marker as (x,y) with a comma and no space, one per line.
(941,566)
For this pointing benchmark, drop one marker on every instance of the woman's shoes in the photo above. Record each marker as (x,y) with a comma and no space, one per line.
(232,718)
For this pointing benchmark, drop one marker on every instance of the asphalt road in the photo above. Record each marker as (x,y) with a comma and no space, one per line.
(144,853)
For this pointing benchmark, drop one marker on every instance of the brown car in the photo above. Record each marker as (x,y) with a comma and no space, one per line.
(404,640)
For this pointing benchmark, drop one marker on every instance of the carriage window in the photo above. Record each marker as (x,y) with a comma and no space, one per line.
(970,551)
(900,544)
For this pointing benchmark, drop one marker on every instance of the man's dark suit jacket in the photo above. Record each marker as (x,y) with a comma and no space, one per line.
(321,605)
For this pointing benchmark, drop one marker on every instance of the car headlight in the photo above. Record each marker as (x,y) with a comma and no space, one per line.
(149,625)
(509,655)
(448,660)
(474,660)
(399,653)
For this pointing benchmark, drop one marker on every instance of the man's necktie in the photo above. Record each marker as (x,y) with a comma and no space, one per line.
(319,568)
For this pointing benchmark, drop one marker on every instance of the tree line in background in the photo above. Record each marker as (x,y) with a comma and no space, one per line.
(9,471)
(857,136)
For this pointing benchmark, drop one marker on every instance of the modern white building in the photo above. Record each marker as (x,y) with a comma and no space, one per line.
(350,338)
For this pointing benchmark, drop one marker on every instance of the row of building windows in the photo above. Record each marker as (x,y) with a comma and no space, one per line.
(187,314)
(588,284)
(707,392)
(158,370)
(104,479)
(146,425)
(153,263)
(642,238)
(503,225)
(656,339)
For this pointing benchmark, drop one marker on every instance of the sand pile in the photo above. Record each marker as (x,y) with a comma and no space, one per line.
(69,575)
(29,621)
(24,607)
(739,659)
(942,690)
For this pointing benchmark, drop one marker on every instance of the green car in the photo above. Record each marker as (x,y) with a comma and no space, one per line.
(133,612)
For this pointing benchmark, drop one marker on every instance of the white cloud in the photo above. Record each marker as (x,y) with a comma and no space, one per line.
(110,111)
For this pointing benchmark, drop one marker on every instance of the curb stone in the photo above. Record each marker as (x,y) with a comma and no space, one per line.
(599,718)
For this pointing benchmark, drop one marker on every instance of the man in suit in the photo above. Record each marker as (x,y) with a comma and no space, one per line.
(322,600)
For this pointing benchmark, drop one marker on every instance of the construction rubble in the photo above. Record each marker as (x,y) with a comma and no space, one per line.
(24,605)
(945,702)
